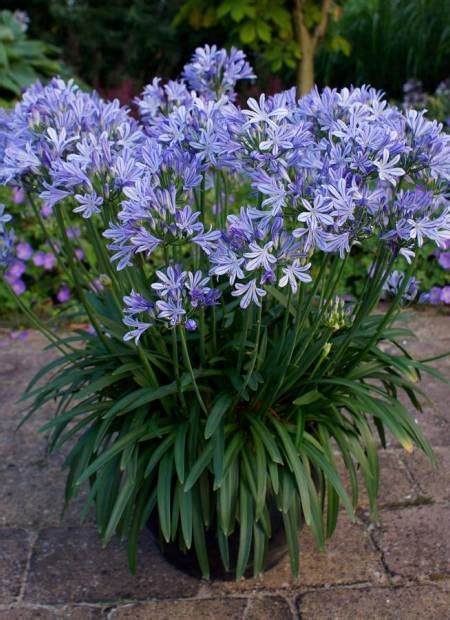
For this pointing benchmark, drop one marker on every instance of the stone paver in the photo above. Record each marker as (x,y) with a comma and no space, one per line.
(268,608)
(66,612)
(53,569)
(411,603)
(415,541)
(433,482)
(350,557)
(206,609)
(70,565)
(14,551)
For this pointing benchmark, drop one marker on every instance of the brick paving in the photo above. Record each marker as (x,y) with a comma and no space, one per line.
(52,568)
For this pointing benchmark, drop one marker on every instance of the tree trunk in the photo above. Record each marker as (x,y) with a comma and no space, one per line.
(308,42)
(305,71)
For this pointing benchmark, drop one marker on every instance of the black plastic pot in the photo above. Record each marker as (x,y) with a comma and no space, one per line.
(187,561)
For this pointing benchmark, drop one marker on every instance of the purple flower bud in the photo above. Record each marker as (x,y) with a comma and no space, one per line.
(191,325)
(18,196)
(79,253)
(46,211)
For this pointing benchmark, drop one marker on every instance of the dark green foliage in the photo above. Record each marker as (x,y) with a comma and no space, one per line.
(391,41)
(23,60)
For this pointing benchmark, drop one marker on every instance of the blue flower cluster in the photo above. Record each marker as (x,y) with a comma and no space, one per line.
(318,174)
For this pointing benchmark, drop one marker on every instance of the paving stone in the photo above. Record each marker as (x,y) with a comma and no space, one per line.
(14,549)
(33,496)
(435,425)
(268,608)
(412,603)
(69,565)
(80,612)
(27,613)
(206,609)
(395,486)
(349,558)
(434,483)
(416,541)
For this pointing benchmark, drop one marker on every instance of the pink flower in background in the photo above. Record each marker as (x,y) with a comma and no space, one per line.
(444,260)
(24,251)
(445,295)
(18,195)
(63,294)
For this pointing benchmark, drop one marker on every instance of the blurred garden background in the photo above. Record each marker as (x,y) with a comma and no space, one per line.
(117,47)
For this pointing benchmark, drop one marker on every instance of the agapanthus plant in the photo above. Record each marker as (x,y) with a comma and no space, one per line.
(223,380)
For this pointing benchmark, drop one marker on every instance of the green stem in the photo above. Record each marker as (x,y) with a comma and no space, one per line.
(187,361)
(177,367)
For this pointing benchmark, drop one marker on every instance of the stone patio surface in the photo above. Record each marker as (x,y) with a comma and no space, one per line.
(53,568)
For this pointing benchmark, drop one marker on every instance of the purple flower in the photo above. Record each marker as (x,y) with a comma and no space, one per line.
(18,286)
(49,261)
(24,251)
(88,204)
(138,328)
(63,294)
(445,295)
(295,273)
(249,293)
(435,295)
(16,269)
(444,260)
(172,311)
(260,257)
(191,325)
(19,334)
(137,303)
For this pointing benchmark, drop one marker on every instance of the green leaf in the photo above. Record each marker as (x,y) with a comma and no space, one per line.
(158,454)
(164,494)
(217,412)
(247,33)
(264,32)
(186,517)
(308,398)
(180,449)
(245,529)
(199,467)
(114,450)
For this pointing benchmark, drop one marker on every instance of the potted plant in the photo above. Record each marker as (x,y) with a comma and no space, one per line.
(223,375)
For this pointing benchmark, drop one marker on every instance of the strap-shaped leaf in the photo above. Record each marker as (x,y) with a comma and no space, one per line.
(217,412)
